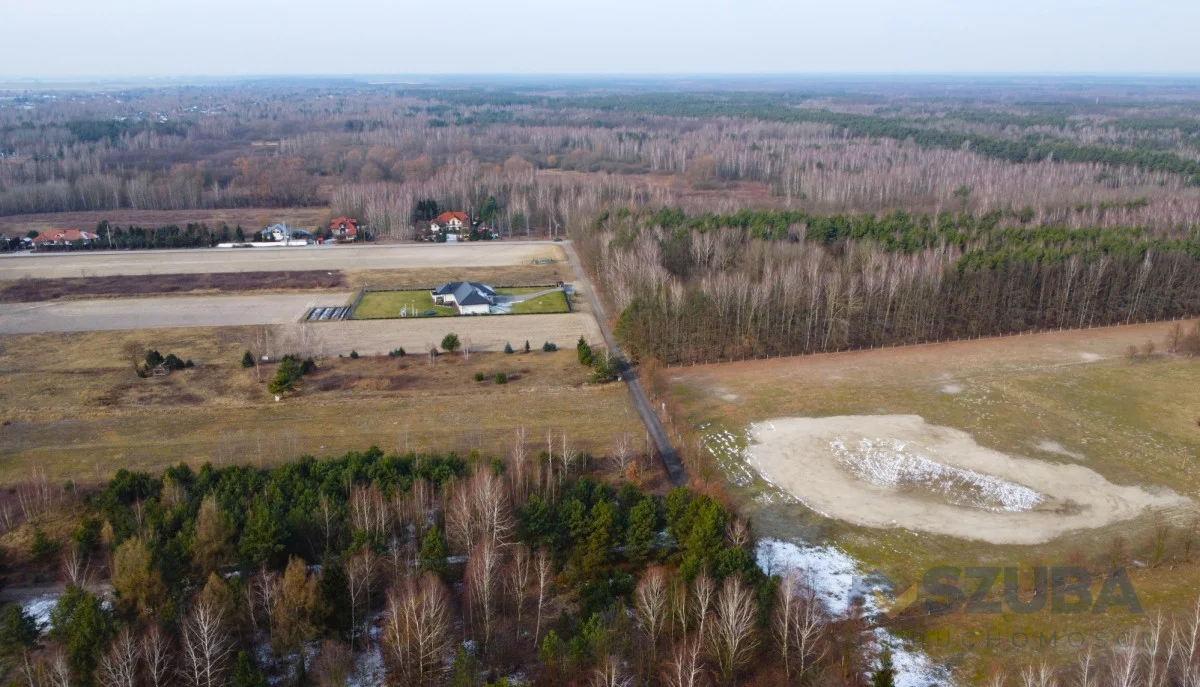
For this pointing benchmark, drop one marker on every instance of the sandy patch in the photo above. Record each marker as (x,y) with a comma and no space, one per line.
(952,389)
(1090,357)
(898,471)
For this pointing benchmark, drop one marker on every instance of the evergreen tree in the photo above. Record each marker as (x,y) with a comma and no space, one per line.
(261,540)
(80,623)
(433,552)
(643,526)
(247,359)
(18,634)
(584,351)
(886,675)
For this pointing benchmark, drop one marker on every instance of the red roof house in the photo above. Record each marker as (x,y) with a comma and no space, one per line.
(344,227)
(63,237)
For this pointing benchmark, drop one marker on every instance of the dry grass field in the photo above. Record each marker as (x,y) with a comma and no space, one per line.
(209,260)
(70,404)
(1071,398)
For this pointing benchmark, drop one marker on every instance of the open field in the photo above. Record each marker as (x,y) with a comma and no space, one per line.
(154,313)
(364,257)
(1073,402)
(248,218)
(76,408)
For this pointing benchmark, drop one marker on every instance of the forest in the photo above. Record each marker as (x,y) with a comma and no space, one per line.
(720,287)
(413,570)
(555,158)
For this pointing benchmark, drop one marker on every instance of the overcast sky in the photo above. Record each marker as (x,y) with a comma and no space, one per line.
(63,38)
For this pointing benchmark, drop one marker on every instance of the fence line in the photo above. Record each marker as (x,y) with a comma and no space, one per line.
(978,337)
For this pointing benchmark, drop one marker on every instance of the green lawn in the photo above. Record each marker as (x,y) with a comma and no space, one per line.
(548,303)
(378,305)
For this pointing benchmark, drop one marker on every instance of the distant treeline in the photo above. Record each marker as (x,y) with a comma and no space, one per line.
(783,108)
(726,286)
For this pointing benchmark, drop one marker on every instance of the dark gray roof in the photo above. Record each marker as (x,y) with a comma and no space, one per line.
(466,292)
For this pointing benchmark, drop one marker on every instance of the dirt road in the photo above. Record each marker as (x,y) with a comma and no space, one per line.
(637,395)
(375,257)
(157,313)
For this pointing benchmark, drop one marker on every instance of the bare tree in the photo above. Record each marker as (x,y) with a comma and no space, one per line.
(703,591)
(1038,675)
(520,572)
(483,568)
(361,570)
(650,605)
(119,665)
(77,570)
(58,668)
(610,674)
(798,625)
(543,568)
(206,646)
(685,668)
(731,636)
(156,657)
(417,629)
(623,452)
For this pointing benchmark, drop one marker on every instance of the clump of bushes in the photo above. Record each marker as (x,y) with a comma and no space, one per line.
(396,353)
(549,347)
(450,343)
(604,368)
(291,369)
(501,378)
(354,355)
(479,376)
(170,362)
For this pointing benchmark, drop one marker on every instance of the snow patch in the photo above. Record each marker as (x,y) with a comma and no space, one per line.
(888,463)
(39,608)
(1054,447)
(837,581)
(952,389)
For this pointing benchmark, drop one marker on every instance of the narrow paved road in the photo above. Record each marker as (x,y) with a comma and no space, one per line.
(637,395)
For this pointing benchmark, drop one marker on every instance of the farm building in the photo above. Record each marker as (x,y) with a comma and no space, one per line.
(470,298)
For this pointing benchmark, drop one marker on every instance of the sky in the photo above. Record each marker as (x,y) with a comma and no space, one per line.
(123,38)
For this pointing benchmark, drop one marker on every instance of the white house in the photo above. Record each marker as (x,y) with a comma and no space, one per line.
(471,298)
(282,232)
(451,223)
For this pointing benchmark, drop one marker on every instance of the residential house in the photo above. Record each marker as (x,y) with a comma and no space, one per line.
(62,238)
(451,223)
(282,232)
(470,298)
(344,228)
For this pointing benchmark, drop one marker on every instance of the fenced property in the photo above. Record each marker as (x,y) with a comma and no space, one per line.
(375,304)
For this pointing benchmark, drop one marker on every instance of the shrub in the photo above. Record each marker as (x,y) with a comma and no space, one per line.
(308,367)
(396,353)
(247,359)
(354,355)
(584,351)
(604,368)
(42,548)
(527,349)
(172,362)
(549,347)
(479,376)
(154,358)
(508,348)
(501,378)
(450,343)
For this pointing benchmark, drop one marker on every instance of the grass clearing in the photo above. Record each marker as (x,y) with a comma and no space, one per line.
(546,303)
(379,305)
(77,410)
(1069,397)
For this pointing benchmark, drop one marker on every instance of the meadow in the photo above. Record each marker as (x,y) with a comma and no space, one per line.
(1069,398)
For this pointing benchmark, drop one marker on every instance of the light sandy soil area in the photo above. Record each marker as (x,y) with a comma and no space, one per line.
(374,257)
(897,471)
(416,336)
(157,313)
